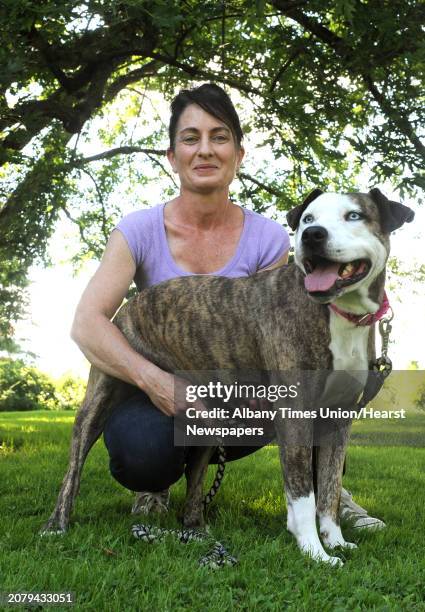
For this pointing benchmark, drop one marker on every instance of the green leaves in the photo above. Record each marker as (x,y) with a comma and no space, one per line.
(24,387)
(325,88)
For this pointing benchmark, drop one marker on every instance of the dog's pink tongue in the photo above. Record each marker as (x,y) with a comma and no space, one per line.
(322,278)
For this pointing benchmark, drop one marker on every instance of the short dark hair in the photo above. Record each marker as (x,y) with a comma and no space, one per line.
(214,101)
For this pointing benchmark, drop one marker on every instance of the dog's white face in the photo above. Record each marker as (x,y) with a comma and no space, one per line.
(340,245)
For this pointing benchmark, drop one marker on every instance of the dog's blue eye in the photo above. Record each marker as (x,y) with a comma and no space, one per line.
(354,216)
(308,219)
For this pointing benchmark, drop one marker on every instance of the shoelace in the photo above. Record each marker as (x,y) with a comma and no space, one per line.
(150,499)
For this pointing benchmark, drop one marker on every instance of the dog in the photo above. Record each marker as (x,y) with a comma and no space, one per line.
(304,316)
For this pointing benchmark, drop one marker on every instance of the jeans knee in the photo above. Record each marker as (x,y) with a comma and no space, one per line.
(140,443)
(146,473)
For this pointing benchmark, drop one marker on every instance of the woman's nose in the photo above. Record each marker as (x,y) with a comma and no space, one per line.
(204,148)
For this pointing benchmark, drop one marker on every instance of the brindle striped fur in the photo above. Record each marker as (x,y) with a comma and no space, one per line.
(209,323)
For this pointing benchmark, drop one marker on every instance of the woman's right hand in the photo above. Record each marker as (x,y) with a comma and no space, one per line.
(168,392)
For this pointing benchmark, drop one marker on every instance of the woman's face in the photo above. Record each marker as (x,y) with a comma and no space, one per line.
(205,154)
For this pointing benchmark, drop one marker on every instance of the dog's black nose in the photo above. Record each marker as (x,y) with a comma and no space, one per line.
(314,236)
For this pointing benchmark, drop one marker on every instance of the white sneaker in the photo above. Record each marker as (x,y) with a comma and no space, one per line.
(358,516)
(147,501)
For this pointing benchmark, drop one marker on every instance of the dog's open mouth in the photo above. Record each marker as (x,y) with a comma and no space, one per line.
(324,275)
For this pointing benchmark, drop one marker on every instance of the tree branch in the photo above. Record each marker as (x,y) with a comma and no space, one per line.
(124,150)
(92,58)
(294,55)
(268,188)
(148,70)
(348,55)
(101,200)
(163,168)
(34,180)
(127,150)
(397,117)
(76,222)
(194,71)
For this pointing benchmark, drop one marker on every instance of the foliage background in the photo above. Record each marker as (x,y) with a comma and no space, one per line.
(23,387)
(330,91)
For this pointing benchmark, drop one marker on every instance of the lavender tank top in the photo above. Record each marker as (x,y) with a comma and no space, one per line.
(262,243)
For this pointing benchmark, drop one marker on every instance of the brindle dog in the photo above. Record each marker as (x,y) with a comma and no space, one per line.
(275,320)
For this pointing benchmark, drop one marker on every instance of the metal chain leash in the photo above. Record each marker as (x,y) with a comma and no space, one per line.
(381,367)
(218,555)
(221,466)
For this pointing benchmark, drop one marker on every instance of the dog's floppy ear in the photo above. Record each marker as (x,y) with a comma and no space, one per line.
(392,214)
(293,217)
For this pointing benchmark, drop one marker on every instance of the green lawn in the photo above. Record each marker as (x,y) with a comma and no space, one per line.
(109,570)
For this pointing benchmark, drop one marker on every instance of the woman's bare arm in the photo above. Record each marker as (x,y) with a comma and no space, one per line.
(102,342)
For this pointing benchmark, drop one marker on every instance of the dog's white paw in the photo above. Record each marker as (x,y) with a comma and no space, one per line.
(54,527)
(346,544)
(335,561)
(318,553)
(52,532)
(301,522)
(330,543)
(331,534)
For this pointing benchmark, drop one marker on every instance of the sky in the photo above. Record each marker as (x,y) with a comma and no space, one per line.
(54,295)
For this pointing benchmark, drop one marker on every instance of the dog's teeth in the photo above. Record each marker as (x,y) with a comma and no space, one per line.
(348,269)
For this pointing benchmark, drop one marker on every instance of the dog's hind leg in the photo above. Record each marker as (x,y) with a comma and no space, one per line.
(195,472)
(296,461)
(102,394)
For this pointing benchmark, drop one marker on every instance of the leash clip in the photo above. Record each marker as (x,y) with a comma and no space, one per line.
(385,329)
(381,367)
(383,364)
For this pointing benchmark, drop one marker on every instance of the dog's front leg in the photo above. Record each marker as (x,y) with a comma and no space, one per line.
(196,469)
(296,461)
(330,463)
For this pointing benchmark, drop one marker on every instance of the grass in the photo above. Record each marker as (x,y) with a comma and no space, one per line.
(99,560)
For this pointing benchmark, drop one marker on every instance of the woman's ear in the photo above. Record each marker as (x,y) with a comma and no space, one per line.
(172,159)
(241,155)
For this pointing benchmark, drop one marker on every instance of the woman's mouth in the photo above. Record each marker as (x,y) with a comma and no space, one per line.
(205,167)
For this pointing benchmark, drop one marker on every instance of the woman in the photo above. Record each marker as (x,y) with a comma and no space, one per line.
(199,232)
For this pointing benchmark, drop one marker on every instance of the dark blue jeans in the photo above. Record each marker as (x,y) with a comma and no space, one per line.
(140,442)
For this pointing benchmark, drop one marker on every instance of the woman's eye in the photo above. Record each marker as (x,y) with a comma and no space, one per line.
(308,219)
(220,138)
(190,139)
(354,216)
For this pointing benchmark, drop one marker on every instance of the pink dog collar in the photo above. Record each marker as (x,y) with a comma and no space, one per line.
(366,319)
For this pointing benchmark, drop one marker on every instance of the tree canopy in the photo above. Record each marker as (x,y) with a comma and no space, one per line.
(331,87)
